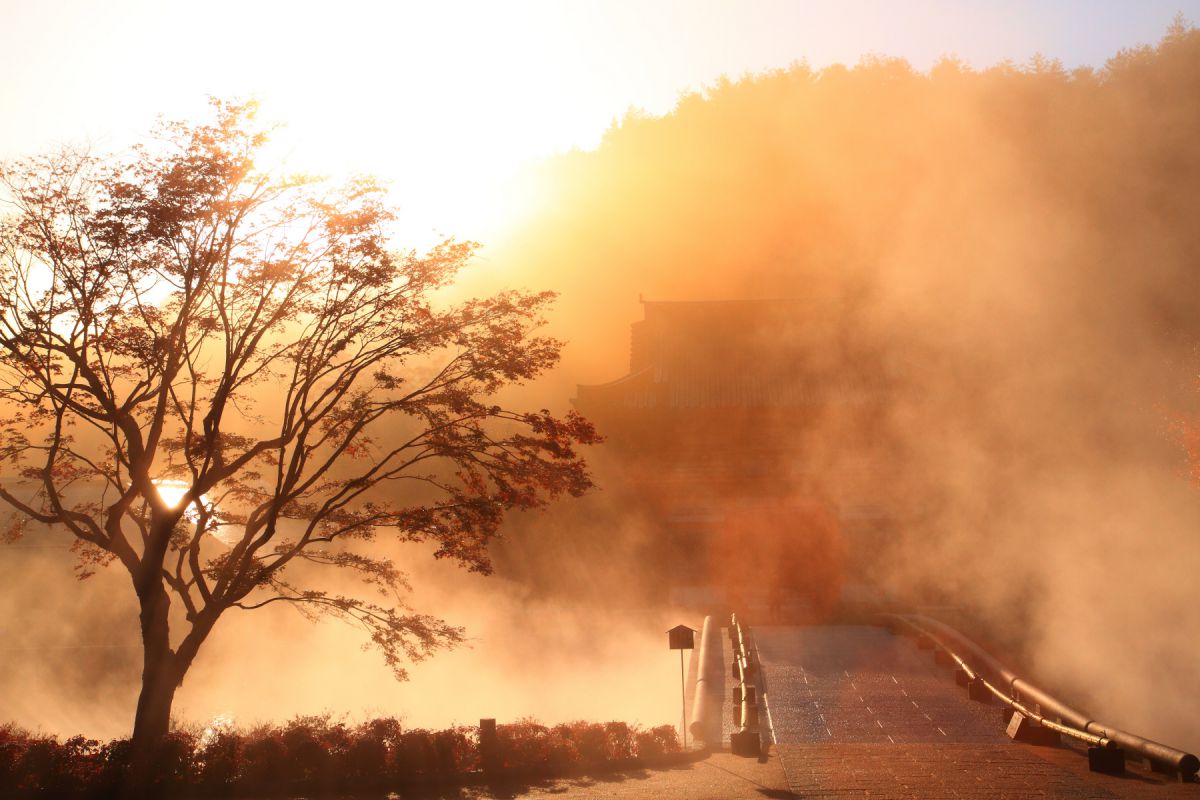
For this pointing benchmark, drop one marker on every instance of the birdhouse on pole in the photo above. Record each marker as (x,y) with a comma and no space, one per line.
(681,637)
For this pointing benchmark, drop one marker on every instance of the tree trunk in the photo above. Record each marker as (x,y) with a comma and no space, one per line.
(161,676)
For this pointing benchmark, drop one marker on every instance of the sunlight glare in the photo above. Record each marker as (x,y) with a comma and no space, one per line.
(173,491)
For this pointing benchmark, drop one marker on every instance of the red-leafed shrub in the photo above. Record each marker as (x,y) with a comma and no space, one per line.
(219,760)
(13,743)
(312,746)
(620,740)
(113,760)
(366,758)
(458,750)
(176,762)
(415,755)
(44,764)
(591,741)
(313,755)
(264,758)
(527,744)
(657,742)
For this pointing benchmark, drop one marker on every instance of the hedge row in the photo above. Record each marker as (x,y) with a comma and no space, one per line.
(318,755)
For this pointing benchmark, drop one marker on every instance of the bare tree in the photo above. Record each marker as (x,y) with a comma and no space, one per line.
(180,320)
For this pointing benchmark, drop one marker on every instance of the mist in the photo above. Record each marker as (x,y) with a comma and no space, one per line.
(73,657)
(1011,256)
(1008,257)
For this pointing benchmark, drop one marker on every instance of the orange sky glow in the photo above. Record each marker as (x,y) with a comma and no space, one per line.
(447,101)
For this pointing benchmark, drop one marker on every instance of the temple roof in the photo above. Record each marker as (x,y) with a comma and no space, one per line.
(716,354)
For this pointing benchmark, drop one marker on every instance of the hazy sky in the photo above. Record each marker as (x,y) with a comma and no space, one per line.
(446,99)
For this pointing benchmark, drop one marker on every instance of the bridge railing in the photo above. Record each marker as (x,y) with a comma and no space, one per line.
(1036,712)
(745,740)
(709,693)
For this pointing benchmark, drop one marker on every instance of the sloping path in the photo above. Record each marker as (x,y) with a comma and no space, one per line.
(859,712)
(849,684)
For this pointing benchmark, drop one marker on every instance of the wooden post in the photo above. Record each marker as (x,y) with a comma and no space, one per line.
(683,701)
(489,746)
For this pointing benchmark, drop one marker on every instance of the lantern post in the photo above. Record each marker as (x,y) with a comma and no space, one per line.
(681,638)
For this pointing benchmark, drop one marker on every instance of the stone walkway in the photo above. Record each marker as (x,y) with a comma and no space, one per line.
(859,770)
(859,712)
(720,776)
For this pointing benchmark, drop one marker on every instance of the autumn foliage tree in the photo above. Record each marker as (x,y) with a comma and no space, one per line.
(213,375)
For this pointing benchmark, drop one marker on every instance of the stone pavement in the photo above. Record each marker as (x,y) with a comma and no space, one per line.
(720,776)
(936,771)
(930,772)
(850,683)
(859,771)
(859,712)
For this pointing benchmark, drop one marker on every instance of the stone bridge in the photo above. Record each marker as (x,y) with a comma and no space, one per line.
(858,711)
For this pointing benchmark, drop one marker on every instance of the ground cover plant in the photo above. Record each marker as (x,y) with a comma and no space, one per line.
(318,755)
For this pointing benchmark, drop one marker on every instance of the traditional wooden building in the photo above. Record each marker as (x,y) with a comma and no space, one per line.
(724,422)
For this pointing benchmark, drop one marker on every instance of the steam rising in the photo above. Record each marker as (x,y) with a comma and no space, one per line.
(1015,254)
(1016,251)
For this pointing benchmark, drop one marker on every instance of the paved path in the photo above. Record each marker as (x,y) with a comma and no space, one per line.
(858,712)
(848,684)
(720,776)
